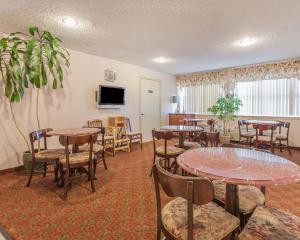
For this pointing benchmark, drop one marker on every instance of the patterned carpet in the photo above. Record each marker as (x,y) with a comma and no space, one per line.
(122,208)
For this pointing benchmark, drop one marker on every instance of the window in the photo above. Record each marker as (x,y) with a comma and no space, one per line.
(278,97)
(196,99)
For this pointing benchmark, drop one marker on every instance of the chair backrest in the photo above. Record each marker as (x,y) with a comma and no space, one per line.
(212,137)
(127,125)
(78,140)
(211,124)
(36,136)
(243,123)
(261,127)
(195,190)
(164,135)
(284,125)
(95,123)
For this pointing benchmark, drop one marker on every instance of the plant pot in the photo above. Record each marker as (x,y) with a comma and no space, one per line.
(224,139)
(27,162)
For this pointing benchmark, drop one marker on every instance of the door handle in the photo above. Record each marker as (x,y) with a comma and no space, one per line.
(142,114)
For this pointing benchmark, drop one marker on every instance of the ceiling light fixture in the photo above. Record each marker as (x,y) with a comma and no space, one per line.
(161,60)
(69,21)
(246,41)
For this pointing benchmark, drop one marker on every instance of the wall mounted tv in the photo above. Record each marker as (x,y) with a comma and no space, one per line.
(111,97)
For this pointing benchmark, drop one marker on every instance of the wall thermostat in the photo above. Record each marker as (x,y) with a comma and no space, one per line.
(110,75)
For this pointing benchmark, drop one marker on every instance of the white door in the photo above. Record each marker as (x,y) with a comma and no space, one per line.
(150,107)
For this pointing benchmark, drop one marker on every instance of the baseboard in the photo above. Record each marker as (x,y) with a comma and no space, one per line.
(10,170)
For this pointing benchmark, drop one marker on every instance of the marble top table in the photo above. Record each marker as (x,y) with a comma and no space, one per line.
(236,166)
(181,131)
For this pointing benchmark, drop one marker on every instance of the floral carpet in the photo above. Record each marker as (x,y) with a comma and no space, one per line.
(123,206)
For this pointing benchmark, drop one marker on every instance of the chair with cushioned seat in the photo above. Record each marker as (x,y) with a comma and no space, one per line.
(109,141)
(192,214)
(283,137)
(271,224)
(166,152)
(263,140)
(245,133)
(45,155)
(77,160)
(98,150)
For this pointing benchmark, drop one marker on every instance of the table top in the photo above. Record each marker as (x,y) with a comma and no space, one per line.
(240,166)
(261,122)
(194,119)
(182,128)
(72,131)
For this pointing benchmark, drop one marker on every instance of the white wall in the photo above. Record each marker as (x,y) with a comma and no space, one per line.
(73,105)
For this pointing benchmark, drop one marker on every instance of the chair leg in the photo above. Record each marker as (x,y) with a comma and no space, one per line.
(141,143)
(95,165)
(55,171)
(280,146)
(45,169)
(66,185)
(31,174)
(288,147)
(91,175)
(103,159)
(152,165)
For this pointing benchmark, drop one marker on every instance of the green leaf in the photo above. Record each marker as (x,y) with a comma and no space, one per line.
(33,30)
(8,85)
(54,84)
(3,44)
(44,75)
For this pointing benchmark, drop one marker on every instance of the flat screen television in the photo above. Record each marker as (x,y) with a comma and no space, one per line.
(111,97)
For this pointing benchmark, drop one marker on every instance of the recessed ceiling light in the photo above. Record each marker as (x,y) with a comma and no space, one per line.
(246,41)
(69,21)
(161,60)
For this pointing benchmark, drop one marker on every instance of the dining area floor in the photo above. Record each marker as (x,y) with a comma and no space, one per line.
(123,206)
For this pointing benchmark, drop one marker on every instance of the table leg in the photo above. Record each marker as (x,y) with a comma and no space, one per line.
(232,199)
(181,140)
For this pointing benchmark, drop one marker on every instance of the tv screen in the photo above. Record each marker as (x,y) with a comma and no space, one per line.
(111,95)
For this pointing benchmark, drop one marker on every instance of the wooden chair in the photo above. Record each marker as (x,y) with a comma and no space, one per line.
(192,214)
(77,160)
(165,152)
(283,137)
(271,223)
(98,150)
(248,135)
(209,137)
(45,155)
(133,136)
(108,142)
(263,140)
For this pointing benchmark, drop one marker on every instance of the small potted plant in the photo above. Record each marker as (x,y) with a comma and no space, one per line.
(225,109)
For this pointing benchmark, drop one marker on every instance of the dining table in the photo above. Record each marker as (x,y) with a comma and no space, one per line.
(238,166)
(182,130)
(72,132)
(193,121)
(262,125)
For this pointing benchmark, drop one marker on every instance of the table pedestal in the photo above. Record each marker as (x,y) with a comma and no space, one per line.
(181,140)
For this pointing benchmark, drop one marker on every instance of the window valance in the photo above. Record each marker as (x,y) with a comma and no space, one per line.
(230,76)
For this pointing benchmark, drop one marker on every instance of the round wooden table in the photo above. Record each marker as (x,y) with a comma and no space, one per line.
(181,131)
(73,131)
(237,166)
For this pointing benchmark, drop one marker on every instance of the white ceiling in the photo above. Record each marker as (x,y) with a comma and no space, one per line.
(196,34)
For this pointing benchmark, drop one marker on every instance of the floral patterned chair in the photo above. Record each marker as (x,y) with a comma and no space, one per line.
(271,223)
(192,214)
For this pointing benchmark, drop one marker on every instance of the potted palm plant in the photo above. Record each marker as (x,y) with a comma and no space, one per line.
(225,109)
(30,60)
